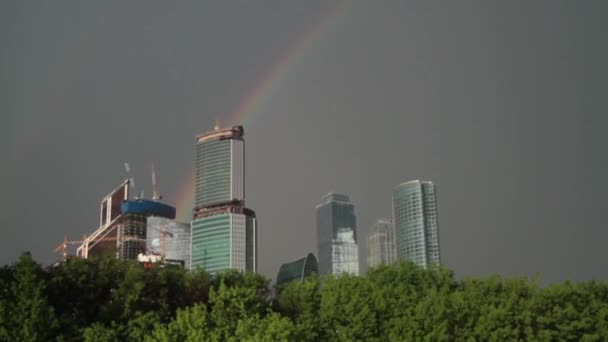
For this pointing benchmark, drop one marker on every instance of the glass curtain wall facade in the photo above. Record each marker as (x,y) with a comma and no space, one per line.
(381,244)
(224,241)
(297,270)
(224,231)
(335,213)
(211,243)
(345,253)
(415,219)
(170,239)
(132,225)
(219,171)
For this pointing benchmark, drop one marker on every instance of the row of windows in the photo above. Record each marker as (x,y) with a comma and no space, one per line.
(212,173)
(210,154)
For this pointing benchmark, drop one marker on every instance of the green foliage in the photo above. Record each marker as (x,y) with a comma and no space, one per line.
(26,315)
(99,333)
(347,312)
(80,289)
(268,329)
(105,299)
(191,324)
(301,303)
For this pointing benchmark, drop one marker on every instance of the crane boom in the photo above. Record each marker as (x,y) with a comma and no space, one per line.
(62,247)
(155,195)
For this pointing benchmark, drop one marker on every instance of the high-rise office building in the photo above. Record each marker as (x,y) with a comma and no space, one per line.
(381,244)
(132,227)
(335,214)
(224,231)
(220,167)
(170,239)
(415,219)
(345,253)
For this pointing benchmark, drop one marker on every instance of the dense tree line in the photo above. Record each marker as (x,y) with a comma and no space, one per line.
(109,300)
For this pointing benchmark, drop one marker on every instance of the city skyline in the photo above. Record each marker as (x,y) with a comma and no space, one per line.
(500,104)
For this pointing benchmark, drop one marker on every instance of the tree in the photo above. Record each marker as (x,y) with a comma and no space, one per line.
(301,302)
(347,311)
(97,332)
(26,315)
(272,328)
(229,305)
(104,299)
(191,324)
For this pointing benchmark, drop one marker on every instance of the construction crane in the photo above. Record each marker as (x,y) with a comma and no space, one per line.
(163,239)
(129,177)
(131,180)
(62,247)
(155,195)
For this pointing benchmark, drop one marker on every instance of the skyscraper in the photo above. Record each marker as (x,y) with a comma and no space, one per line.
(415,218)
(335,214)
(345,253)
(220,167)
(224,231)
(170,239)
(132,227)
(381,244)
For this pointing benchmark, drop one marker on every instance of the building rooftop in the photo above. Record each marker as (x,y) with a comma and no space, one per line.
(380,225)
(148,207)
(298,270)
(413,182)
(333,196)
(222,133)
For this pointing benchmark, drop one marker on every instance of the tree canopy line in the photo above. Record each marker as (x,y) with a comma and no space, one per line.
(105,299)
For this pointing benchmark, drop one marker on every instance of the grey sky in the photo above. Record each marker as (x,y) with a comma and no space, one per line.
(502,104)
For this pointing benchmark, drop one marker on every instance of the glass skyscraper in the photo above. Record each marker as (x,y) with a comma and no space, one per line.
(169,238)
(224,231)
(345,253)
(381,244)
(415,219)
(220,167)
(335,214)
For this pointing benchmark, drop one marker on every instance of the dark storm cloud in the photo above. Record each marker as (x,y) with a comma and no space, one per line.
(501,104)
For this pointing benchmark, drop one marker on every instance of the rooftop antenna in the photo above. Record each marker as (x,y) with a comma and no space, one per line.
(217,125)
(155,195)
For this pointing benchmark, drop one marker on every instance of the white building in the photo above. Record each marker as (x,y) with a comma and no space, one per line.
(345,253)
(381,244)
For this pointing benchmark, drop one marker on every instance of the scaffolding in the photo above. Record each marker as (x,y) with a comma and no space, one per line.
(131,237)
(123,223)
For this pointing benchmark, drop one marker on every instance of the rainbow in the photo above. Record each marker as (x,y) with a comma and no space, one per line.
(261,94)
(185,198)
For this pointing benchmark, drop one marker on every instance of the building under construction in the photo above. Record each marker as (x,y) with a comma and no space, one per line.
(169,239)
(123,225)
